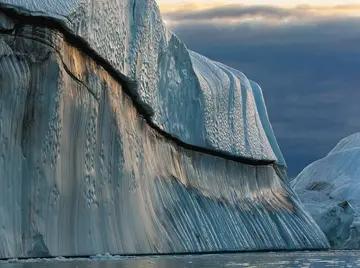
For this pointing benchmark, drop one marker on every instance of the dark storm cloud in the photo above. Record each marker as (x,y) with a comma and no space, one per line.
(308,69)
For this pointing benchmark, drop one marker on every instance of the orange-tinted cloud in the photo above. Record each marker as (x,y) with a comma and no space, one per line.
(234,13)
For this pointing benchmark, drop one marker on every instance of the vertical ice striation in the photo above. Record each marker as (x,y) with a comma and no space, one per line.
(200,101)
(84,170)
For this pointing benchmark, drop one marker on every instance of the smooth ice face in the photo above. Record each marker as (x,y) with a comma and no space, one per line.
(326,184)
(349,143)
(202,102)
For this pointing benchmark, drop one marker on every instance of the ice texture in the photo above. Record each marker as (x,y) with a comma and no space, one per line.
(83,173)
(329,189)
(202,102)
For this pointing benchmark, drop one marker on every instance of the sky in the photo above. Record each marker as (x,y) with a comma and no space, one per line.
(305,56)
(261,2)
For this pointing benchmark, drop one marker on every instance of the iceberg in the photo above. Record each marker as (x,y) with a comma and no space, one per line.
(329,189)
(115,138)
(134,40)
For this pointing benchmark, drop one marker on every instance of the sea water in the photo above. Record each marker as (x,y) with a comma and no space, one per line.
(276,260)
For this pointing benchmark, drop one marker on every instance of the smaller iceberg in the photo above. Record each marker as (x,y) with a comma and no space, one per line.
(329,188)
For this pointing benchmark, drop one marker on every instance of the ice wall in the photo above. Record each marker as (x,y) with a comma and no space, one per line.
(201,102)
(83,173)
(329,189)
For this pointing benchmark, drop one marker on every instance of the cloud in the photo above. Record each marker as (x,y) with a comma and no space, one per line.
(232,11)
(307,67)
(237,12)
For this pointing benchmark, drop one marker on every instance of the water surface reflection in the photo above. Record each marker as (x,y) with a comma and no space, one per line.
(340,259)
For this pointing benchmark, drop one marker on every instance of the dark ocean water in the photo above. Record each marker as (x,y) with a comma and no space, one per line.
(276,260)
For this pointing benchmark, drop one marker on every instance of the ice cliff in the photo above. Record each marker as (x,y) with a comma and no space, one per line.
(115,138)
(200,101)
(329,189)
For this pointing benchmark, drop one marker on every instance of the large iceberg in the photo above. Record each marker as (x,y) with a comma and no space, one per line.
(329,189)
(115,138)
(200,101)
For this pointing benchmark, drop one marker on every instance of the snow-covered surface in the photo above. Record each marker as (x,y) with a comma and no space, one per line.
(82,173)
(324,185)
(202,102)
